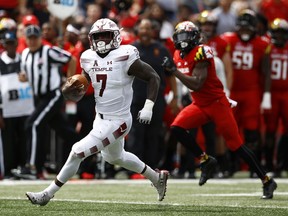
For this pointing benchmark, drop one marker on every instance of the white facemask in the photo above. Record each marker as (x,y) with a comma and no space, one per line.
(245,37)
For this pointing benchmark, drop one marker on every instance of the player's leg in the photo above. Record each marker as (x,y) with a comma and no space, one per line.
(271,124)
(282,148)
(193,117)
(87,146)
(227,126)
(116,155)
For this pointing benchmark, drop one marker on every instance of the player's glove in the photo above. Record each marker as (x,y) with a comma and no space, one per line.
(168,65)
(145,115)
(72,90)
(266,101)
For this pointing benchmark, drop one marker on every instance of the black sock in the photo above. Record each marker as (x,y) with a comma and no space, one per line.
(249,157)
(187,140)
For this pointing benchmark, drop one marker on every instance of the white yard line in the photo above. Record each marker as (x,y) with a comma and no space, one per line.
(125,182)
(156,203)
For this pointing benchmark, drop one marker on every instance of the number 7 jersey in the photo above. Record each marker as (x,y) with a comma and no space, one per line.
(246,58)
(109,77)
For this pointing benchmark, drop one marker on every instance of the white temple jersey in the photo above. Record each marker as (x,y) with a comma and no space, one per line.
(109,76)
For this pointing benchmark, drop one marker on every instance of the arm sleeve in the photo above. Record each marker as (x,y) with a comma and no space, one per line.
(58,55)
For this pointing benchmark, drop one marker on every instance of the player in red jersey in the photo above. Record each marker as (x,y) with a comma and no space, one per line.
(279,93)
(251,76)
(196,70)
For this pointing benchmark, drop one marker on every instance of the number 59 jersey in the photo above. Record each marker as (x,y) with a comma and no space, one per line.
(246,58)
(109,76)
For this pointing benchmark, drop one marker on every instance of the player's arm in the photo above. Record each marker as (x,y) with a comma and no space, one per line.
(265,67)
(174,102)
(145,72)
(199,75)
(71,69)
(226,58)
(86,76)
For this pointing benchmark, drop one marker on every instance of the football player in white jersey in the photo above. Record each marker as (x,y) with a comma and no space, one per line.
(111,68)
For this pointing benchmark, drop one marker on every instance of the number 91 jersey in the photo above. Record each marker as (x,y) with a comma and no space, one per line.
(279,68)
(109,77)
(246,58)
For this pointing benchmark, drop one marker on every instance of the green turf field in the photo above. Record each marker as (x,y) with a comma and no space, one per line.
(136,197)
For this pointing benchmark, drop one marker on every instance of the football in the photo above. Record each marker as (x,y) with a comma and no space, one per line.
(75,87)
(80,79)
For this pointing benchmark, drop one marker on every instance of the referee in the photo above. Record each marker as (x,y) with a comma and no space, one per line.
(41,66)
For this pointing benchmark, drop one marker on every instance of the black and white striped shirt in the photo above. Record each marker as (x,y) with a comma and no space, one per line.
(43,68)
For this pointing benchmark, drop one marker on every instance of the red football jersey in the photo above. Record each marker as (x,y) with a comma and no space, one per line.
(212,88)
(219,46)
(279,67)
(246,59)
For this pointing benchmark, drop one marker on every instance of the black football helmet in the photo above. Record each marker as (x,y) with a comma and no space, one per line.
(246,25)
(279,32)
(186,36)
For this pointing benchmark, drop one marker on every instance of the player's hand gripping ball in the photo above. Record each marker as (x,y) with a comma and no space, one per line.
(75,87)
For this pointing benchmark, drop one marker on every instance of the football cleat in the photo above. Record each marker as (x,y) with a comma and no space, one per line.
(268,189)
(24,173)
(207,170)
(161,185)
(41,198)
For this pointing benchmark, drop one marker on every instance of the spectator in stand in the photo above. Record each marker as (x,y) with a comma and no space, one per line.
(13,8)
(71,36)
(50,33)
(226,17)
(17,105)
(251,78)
(39,9)
(279,94)
(156,12)
(93,13)
(185,12)
(6,24)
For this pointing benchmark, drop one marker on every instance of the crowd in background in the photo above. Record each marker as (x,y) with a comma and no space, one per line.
(148,25)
